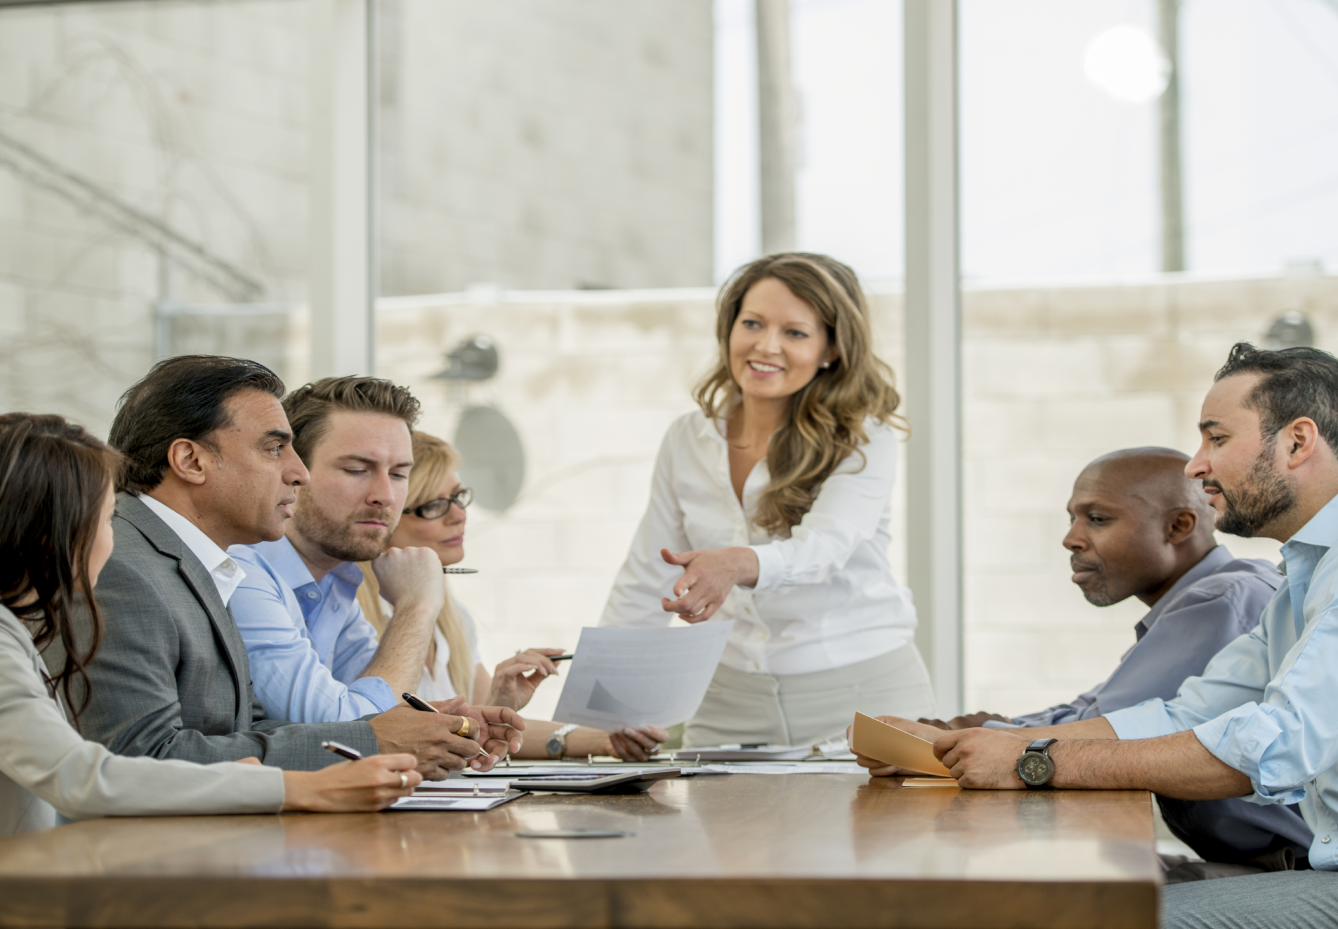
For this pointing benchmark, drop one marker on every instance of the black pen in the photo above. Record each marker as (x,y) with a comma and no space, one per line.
(567,657)
(418,703)
(343,751)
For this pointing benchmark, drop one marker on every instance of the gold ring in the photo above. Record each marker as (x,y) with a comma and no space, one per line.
(466,728)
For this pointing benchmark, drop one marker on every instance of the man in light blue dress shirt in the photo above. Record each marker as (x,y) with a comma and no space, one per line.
(1262,720)
(314,657)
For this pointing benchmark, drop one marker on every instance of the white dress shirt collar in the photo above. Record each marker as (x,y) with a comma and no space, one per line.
(223,571)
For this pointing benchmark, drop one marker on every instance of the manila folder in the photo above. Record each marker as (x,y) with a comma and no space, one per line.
(888,744)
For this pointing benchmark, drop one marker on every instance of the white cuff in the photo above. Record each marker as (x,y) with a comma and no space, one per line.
(770,567)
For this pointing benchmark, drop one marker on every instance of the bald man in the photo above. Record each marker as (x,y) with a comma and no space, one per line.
(1140,528)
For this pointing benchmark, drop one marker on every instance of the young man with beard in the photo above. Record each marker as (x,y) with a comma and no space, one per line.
(1260,722)
(1138,527)
(314,658)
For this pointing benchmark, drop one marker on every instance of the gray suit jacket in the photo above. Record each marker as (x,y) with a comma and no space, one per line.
(171,679)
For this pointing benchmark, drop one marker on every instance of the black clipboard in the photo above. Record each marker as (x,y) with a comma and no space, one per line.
(633,782)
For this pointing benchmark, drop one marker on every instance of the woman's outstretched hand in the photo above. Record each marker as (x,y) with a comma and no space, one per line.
(708,577)
(352,786)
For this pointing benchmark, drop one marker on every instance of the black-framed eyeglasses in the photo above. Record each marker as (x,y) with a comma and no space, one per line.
(436,509)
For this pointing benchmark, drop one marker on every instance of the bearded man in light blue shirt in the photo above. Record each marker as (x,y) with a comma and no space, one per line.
(1262,720)
(313,656)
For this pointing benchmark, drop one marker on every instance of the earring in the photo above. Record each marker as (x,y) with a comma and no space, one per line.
(826,364)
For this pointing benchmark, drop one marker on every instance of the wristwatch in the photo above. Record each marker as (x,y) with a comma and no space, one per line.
(1036,767)
(557,742)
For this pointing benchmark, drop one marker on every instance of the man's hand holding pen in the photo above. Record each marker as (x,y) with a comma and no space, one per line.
(495,730)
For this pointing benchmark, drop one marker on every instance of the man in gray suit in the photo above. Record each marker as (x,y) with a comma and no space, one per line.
(208,464)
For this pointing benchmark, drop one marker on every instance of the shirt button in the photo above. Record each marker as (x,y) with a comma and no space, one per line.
(1325,840)
(311,595)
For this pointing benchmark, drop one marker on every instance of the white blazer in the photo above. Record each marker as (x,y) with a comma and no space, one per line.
(825,596)
(46,767)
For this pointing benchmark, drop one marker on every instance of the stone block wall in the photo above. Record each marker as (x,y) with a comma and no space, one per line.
(525,143)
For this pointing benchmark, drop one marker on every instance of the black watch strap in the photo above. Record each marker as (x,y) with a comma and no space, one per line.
(1042,746)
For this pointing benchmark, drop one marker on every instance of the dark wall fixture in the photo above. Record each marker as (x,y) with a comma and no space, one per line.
(494,458)
(1290,330)
(474,359)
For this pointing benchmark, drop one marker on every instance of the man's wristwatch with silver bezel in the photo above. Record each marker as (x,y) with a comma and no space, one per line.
(1036,767)
(557,742)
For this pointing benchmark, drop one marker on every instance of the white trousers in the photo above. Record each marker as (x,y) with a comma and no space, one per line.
(804,709)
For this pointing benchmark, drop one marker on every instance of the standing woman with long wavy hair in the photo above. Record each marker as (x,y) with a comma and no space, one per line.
(56,508)
(771,506)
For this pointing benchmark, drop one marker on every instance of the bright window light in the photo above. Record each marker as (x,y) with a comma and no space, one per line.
(1128,64)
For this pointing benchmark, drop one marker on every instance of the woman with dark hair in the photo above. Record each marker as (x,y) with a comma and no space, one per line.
(771,506)
(56,506)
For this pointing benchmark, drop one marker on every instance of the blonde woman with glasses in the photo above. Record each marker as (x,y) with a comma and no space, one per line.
(771,506)
(434,517)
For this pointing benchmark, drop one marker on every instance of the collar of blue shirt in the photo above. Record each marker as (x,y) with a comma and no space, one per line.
(1321,531)
(293,571)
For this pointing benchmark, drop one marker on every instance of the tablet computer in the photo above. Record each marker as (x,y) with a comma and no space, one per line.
(593,782)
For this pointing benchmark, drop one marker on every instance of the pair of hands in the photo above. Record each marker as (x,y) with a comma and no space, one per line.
(431,737)
(708,577)
(984,759)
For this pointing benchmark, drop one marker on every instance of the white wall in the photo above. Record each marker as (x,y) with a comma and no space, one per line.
(545,145)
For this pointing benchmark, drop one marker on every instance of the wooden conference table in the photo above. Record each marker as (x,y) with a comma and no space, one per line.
(814,850)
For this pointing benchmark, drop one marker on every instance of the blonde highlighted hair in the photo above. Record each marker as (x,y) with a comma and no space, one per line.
(827,415)
(434,460)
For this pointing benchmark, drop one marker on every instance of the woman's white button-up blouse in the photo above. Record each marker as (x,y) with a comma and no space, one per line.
(825,597)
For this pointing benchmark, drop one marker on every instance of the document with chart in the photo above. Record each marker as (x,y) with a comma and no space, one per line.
(641,677)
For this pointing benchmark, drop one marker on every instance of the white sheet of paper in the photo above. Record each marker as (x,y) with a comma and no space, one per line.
(641,677)
(836,767)
(739,753)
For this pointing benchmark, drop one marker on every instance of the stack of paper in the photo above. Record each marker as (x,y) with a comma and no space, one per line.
(744,753)
(466,803)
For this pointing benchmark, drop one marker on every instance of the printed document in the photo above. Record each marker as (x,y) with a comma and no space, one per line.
(641,677)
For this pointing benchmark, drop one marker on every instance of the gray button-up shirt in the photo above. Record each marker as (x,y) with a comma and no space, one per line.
(1215,602)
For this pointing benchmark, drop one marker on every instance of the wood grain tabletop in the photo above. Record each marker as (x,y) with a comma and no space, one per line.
(811,850)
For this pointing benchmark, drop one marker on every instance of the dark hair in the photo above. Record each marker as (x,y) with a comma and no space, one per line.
(1295,382)
(180,398)
(54,477)
(309,407)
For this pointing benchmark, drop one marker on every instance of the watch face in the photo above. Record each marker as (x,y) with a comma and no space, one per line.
(1035,768)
